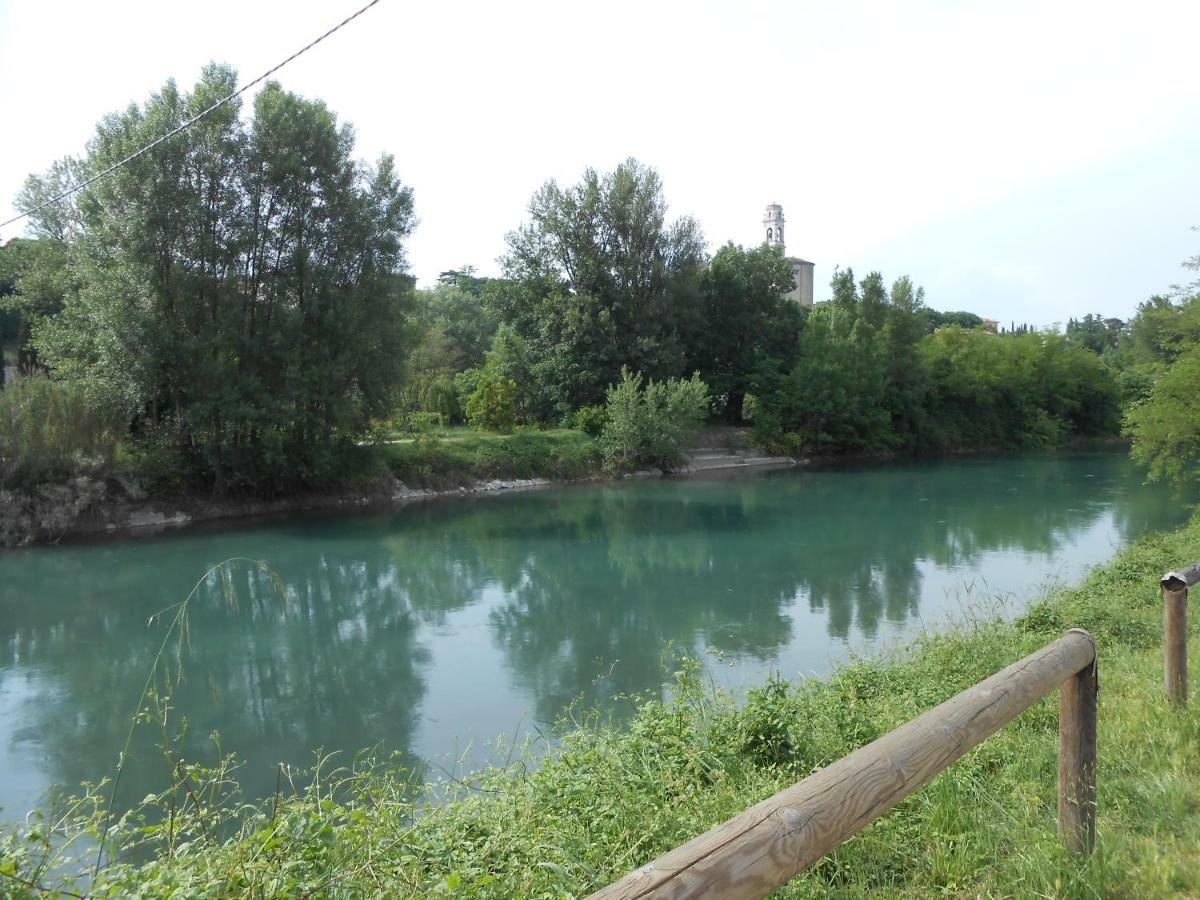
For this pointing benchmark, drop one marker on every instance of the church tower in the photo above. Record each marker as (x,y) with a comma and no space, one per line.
(802,269)
(773,226)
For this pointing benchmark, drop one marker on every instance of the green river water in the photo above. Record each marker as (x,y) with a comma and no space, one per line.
(430,629)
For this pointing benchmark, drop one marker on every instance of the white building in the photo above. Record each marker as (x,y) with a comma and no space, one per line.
(802,269)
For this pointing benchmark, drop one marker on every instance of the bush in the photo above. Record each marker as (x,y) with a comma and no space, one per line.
(651,426)
(492,405)
(421,423)
(50,433)
(588,419)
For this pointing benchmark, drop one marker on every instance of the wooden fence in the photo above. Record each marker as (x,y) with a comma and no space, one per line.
(766,846)
(1175,666)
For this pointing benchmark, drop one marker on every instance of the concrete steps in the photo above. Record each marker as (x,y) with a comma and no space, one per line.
(707,459)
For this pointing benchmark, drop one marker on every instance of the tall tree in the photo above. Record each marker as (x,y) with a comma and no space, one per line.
(239,290)
(742,313)
(607,281)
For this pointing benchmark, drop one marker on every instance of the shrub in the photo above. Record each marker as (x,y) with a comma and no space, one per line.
(50,433)
(588,419)
(420,423)
(492,405)
(651,426)
(750,407)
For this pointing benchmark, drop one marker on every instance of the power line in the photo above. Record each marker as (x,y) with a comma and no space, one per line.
(190,122)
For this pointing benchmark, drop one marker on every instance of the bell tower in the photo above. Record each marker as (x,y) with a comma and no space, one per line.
(773,226)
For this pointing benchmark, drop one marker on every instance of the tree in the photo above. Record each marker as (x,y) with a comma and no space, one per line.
(742,312)
(1166,427)
(239,291)
(60,220)
(453,329)
(605,281)
(831,400)
(1019,390)
(1096,333)
(906,381)
(1160,375)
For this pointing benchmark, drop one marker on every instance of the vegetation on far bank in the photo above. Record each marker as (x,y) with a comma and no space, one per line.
(430,460)
(234,309)
(608,799)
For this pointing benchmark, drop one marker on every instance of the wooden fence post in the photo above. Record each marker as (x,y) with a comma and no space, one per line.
(1077,759)
(1175,667)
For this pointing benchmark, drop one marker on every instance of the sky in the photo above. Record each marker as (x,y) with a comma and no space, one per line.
(1026,161)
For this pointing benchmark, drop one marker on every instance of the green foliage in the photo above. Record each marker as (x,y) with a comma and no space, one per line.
(510,358)
(1166,426)
(742,313)
(439,396)
(239,291)
(466,459)
(599,280)
(34,279)
(491,406)
(870,378)
(1160,379)
(651,426)
(832,399)
(1096,333)
(50,433)
(604,800)
(457,325)
(931,319)
(1024,390)
(588,419)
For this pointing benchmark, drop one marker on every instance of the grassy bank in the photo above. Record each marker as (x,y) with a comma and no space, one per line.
(464,457)
(610,799)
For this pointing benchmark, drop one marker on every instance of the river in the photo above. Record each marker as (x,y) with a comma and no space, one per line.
(430,629)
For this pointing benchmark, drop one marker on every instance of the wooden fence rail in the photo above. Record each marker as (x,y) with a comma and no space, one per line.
(766,846)
(1175,666)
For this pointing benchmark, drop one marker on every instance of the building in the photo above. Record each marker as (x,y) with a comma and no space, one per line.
(802,269)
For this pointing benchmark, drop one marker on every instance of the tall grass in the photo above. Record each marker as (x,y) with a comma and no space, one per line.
(607,799)
(49,433)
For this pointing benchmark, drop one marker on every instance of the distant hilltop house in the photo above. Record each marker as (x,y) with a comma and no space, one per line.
(802,269)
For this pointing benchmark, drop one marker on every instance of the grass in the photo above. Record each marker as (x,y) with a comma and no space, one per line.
(464,457)
(608,799)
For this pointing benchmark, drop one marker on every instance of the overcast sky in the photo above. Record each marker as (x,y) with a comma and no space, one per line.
(1027,161)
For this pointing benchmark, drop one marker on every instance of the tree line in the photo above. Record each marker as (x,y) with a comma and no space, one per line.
(237,301)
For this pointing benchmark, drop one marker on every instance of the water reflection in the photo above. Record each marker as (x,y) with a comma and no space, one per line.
(419,628)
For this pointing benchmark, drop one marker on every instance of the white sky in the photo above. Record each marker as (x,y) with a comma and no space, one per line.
(1027,161)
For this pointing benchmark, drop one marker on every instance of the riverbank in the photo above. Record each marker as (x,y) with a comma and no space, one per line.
(395,472)
(608,799)
(377,475)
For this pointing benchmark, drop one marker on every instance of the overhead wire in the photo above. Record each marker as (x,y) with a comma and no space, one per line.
(190,122)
